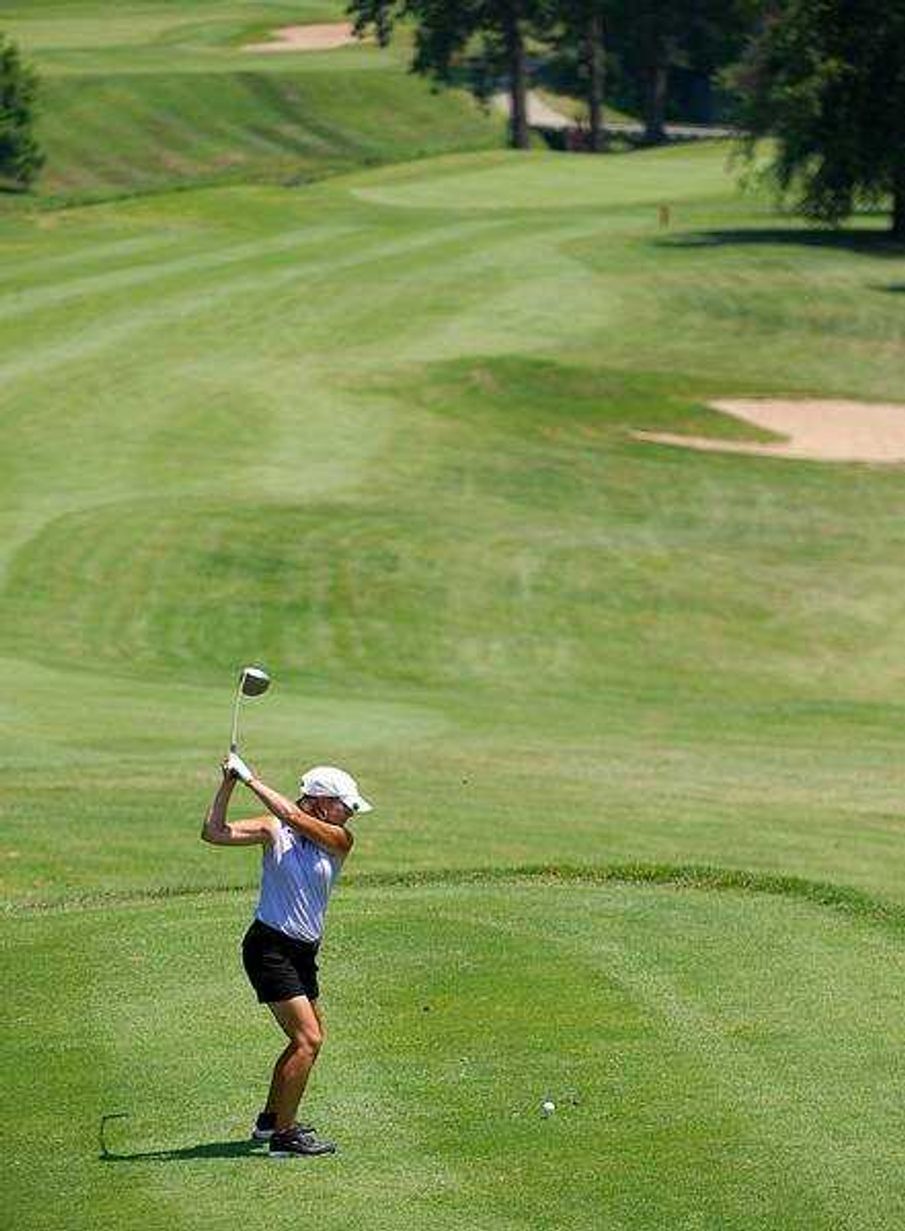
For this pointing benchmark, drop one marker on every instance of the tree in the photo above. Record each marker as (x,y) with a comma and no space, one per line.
(20,156)
(582,24)
(485,38)
(650,35)
(826,79)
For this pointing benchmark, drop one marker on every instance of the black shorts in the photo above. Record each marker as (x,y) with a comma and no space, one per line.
(279,966)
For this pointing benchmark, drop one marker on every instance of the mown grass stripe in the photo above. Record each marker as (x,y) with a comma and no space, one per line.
(246,278)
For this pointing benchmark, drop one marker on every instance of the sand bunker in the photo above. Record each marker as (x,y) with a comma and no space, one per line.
(307,38)
(816,430)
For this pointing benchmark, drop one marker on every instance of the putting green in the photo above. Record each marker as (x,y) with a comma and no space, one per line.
(551,182)
(716,1059)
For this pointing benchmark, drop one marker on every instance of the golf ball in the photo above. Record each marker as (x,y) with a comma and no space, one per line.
(548,1107)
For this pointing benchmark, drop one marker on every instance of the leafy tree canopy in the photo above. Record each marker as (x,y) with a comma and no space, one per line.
(826,79)
(485,39)
(20,157)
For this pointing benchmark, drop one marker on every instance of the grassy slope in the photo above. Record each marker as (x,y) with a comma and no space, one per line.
(375,434)
(164,95)
(138,131)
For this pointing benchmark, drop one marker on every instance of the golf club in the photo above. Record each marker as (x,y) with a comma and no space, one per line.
(252,682)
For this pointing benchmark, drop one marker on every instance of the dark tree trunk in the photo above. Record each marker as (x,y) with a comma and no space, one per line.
(654,60)
(655,80)
(596,71)
(898,204)
(519,136)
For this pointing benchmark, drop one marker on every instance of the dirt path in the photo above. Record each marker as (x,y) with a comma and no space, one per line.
(816,430)
(307,38)
(542,115)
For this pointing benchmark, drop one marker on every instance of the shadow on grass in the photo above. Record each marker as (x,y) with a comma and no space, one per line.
(867,243)
(206,1149)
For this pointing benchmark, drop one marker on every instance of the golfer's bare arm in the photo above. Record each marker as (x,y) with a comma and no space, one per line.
(220,832)
(334,839)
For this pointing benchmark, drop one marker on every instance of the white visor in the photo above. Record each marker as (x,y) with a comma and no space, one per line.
(333,783)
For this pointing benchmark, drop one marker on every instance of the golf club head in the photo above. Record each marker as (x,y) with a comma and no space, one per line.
(253,681)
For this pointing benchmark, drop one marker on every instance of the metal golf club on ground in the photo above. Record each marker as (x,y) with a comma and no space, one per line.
(252,682)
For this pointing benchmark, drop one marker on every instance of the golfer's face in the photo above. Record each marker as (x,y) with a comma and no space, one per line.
(334,810)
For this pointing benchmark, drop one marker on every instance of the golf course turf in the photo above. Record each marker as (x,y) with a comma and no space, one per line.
(631,716)
(696,1055)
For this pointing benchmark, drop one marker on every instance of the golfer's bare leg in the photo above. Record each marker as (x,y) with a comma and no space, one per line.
(301,1021)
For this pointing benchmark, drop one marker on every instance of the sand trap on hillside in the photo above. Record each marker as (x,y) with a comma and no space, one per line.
(816,430)
(308,38)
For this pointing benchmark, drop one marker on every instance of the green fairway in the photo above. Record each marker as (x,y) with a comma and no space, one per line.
(375,433)
(386,450)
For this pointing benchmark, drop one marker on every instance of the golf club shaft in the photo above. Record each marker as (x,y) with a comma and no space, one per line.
(234,739)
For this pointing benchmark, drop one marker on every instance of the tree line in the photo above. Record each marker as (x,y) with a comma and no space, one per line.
(825,79)
(483,43)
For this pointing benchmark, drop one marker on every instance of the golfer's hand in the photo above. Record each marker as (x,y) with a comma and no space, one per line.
(235,767)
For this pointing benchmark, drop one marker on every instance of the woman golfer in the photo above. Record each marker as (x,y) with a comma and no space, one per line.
(305,844)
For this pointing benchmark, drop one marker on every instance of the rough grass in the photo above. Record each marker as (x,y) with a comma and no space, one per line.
(109,134)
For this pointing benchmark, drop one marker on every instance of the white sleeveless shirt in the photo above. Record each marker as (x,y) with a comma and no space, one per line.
(296,878)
